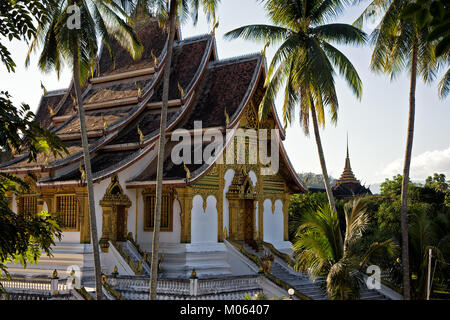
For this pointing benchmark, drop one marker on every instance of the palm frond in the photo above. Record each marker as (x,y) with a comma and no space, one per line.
(444,85)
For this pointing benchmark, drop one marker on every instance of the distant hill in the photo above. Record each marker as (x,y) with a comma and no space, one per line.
(375,188)
(314,180)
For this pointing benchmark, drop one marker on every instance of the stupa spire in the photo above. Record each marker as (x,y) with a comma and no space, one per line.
(347,176)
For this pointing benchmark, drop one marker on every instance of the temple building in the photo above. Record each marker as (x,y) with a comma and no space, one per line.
(204,203)
(348,186)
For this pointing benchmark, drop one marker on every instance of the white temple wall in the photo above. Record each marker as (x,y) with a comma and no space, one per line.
(204,223)
(143,237)
(273,222)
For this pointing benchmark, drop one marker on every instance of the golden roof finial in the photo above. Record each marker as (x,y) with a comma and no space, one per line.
(105,123)
(227,118)
(12,148)
(188,173)
(180,88)
(141,135)
(44,90)
(215,26)
(263,52)
(50,109)
(138,88)
(155,58)
(74,100)
(83,173)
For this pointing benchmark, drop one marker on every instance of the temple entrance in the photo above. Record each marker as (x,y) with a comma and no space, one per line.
(241,198)
(120,223)
(248,222)
(115,206)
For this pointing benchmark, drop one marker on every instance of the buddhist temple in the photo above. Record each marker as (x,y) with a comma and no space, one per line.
(348,186)
(205,203)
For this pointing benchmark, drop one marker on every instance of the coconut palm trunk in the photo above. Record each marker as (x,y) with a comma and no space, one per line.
(323,165)
(406,168)
(161,148)
(87,165)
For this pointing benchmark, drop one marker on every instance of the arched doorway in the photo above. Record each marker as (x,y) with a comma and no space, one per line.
(115,206)
(242,198)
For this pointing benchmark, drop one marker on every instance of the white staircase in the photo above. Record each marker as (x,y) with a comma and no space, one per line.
(208,261)
(66,256)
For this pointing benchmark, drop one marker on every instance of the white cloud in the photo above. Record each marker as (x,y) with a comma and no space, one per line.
(422,165)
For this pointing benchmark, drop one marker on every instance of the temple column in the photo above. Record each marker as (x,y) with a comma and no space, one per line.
(107,213)
(49,197)
(185,199)
(219,204)
(85,229)
(255,232)
(9,199)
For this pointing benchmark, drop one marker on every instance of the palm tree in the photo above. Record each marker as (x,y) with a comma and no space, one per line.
(320,249)
(169,14)
(306,62)
(100,20)
(426,233)
(401,45)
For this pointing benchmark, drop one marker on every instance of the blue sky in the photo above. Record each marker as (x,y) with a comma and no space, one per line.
(376,125)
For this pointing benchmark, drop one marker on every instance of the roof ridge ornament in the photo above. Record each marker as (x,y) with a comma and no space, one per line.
(188,172)
(155,58)
(44,90)
(83,174)
(263,52)
(180,88)
(227,118)
(141,135)
(215,26)
(50,109)
(139,89)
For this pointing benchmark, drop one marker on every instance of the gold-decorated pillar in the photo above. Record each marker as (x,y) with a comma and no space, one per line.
(185,199)
(9,199)
(85,223)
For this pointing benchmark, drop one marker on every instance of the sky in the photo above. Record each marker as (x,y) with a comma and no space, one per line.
(376,124)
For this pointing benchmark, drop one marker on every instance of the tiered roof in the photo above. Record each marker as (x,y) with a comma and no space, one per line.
(123,99)
(348,186)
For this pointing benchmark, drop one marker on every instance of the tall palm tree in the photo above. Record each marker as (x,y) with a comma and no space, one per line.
(99,20)
(320,248)
(401,45)
(306,63)
(169,14)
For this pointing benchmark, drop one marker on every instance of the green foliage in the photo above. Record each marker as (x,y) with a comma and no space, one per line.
(23,238)
(19,132)
(322,250)
(301,203)
(436,15)
(306,62)
(429,227)
(18,21)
